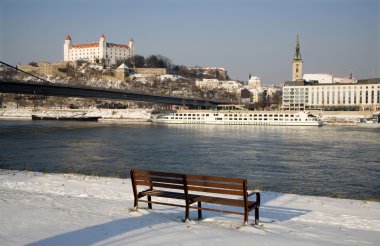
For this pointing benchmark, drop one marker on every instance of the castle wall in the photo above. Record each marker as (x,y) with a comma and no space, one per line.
(153,71)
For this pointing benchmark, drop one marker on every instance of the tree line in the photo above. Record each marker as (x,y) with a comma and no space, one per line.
(152,61)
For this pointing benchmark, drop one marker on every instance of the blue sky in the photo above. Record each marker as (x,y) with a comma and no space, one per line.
(257,36)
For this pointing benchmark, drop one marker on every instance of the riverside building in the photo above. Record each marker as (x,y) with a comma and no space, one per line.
(301,95)
(102,51)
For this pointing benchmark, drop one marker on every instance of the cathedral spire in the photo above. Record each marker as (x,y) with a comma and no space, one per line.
(297,55)
(297,62)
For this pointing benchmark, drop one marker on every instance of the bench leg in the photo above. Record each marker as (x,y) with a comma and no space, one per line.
(246,216)
(199,211)
(149,204)
(256,215)
(187,214)
(136,204)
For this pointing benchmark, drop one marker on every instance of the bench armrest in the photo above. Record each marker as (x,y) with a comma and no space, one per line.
(257,197)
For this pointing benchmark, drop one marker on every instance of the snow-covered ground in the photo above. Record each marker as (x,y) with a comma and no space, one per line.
(69,209)
(108,115)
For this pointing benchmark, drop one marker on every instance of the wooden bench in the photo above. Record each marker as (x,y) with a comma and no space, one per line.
(194,189)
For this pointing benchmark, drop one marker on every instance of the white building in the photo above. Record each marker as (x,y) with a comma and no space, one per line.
(327,78)
(322,78)
(97,51)
(254,82)
(300,95)
(207,84)
(211,84)
(256,94)
(230,86)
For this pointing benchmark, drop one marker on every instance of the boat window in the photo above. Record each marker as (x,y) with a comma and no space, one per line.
(271,115)
(276,115)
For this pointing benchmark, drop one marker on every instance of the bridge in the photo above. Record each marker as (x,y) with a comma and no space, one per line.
(46,88)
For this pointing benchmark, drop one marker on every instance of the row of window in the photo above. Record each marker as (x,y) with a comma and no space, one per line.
(244,119)
(239,115)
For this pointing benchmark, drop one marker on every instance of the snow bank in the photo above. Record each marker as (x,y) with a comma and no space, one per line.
(106,114)
(69,209)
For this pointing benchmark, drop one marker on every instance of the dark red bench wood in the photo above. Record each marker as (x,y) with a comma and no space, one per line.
(194,189)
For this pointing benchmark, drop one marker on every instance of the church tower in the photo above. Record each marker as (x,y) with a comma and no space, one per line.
(297,62)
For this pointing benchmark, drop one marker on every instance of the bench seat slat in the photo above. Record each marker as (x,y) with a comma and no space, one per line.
(218,191)
(215,185)
(160,193)
(161,180)
(162,185)
(222,201)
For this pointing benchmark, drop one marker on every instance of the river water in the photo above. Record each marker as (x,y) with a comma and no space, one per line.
(324,161)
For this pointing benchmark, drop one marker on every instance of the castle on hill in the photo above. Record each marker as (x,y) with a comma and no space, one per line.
(102,51)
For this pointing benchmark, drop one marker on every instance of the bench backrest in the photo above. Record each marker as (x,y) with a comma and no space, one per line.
(152,179)
(195,183)
(216,185)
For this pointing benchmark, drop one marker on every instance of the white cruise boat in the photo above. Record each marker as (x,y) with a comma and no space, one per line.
(238,117)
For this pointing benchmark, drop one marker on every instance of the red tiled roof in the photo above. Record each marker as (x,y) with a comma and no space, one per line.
(89,45)
(68,37)
(102,36)
(111,45)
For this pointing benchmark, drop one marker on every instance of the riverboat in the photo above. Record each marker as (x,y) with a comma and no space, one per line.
(238,117)
(66,118)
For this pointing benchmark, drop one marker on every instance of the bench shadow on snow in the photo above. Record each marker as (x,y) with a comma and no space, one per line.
(158,216)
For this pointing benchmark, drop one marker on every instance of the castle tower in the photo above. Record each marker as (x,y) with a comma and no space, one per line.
(66,48)
(297,62)
(102,47)
(131,45)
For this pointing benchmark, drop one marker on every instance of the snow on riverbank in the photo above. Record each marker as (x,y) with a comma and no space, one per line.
(69,209)
(108,115)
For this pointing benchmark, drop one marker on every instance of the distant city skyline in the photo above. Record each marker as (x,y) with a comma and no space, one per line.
(245,37)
